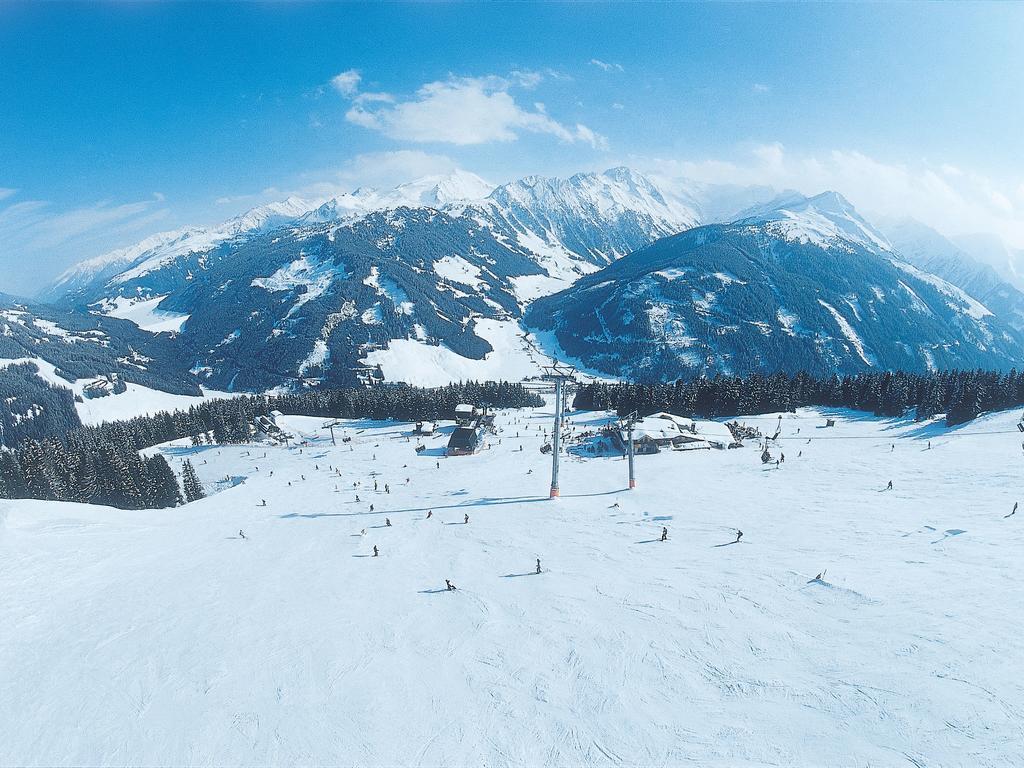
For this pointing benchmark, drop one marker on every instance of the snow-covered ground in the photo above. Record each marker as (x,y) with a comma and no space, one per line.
(136,400)
(427,365)
(144,314)
(161,637)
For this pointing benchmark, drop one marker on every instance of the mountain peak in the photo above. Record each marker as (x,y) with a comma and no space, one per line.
(826,219)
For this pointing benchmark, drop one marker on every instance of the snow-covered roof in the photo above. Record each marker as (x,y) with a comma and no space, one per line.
(656,429)
(681,421)
(714,432)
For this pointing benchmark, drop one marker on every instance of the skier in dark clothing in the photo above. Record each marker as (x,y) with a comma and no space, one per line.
(889,487)
(387,522)
(449,585)
(538,565)
(375,552)
(465,520)
(263,502)
(664,533)
(1014,512)
(371,507)
(430,513)
(241,533)
(739,535)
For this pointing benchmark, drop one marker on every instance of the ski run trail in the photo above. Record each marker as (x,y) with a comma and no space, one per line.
(163,638)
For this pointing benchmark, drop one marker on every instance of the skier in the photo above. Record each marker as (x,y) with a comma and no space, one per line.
(664,533)
(739,535)
(263,502)
(371,507)
(375,486)
(799,454)
(449,585)
(387,488)
(889,487)
(430,513)
(438,463)
(929,445)
(1014,512)
(466,519)
(375,552)
(782,458)
(387,522)
(892,448)
(357,498)
(241,533)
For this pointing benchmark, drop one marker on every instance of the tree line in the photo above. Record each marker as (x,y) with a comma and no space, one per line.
(102,465)
(960,395)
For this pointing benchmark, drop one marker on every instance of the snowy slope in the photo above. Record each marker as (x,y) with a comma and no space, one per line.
(282,297)
(750,296)
(162,638)
(826,220)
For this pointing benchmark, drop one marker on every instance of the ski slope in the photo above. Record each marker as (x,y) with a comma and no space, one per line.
(162,638)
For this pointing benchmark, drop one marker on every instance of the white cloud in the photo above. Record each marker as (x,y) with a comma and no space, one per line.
(945,196)
(346,83)
(761,88)
(606,66)
(463,111)
(6,192)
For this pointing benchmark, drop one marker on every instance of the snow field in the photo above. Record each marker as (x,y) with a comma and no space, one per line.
(160,637)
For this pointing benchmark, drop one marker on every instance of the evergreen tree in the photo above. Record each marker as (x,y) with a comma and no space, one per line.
(193,488)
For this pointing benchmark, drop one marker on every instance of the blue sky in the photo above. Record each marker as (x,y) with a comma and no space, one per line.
(117,121)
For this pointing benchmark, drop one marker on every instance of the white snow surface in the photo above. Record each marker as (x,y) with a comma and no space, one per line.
(457,269)
(851,335)
(144,313)
(825,220)
(415,362)
(136,400)
(160,637)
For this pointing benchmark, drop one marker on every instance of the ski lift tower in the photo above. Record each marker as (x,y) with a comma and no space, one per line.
(629,421)
(560,375)
(331,425)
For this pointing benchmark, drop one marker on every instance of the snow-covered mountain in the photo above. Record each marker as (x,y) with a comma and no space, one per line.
(928,250)
(74,345)
(807,286)
(164,247)
(593,217)
(827,220)
(307,292)
(303,292)
(990,249)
